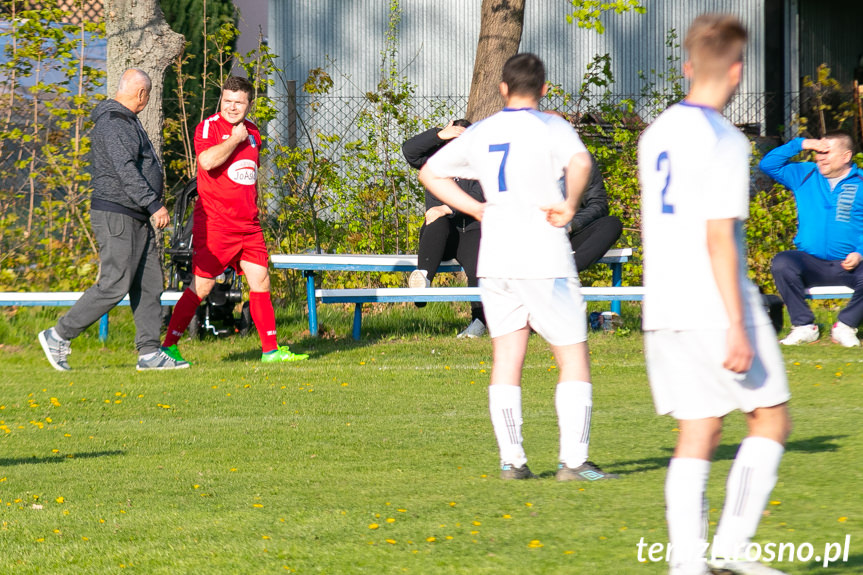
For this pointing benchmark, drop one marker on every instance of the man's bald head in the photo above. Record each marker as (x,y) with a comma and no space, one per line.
(133,90)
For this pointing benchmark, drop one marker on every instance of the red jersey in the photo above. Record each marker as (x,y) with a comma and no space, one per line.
(228,194)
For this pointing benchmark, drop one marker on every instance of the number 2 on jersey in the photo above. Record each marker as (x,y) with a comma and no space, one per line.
(664,164)
(501,177)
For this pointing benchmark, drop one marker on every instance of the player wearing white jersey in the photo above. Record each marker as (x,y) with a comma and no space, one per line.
(526,269)
(709,344)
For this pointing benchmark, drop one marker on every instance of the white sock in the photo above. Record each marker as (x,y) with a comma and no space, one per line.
(574,403)
(504,404)
(750,481)
(685,504)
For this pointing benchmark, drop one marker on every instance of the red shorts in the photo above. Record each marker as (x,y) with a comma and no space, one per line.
(215,250)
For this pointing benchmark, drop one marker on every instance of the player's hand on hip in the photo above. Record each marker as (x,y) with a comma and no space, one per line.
(851,261)
(239,132)
(161,218)
(739,352)
(558,214)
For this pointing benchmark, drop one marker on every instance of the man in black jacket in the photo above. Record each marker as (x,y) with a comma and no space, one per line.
(125,207)
(593,231)
(445,233)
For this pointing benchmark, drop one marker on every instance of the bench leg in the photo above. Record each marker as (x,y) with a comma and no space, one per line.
(358,320)
(616,281)
(103,328)
(311,302)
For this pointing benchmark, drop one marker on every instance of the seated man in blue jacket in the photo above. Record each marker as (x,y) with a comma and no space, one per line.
(829,195)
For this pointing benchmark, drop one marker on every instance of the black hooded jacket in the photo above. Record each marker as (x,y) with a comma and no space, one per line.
(418,150)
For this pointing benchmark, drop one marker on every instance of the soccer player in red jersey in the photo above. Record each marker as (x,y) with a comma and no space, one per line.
(227,230)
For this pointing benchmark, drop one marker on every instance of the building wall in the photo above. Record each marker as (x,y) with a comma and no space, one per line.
(830,33)
(438,44)
(253,21)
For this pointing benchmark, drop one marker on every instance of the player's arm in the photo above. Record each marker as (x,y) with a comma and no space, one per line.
(447,191)
(722,250)
(215,156)
(577,176)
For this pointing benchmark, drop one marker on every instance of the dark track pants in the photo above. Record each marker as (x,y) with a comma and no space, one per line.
(443,240)
(128,264)
(794,271)
(591,242)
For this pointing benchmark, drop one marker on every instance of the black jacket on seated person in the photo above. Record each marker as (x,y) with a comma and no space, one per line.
(417,151)
(593,231)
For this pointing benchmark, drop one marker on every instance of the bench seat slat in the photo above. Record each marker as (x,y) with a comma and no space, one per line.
(66,298)
(634,293)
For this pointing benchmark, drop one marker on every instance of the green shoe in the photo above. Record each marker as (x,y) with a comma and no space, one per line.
(174,353)
(283,353)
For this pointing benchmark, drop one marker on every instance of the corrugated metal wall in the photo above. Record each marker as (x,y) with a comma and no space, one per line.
(438,43)
(830,33)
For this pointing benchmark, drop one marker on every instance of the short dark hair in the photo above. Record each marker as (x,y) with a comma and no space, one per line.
(524,74)
(238,84)
(844,137)
(715,42)
(461,122)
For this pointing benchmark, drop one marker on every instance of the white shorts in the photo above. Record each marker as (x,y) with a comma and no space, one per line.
(688,381)
(553,307)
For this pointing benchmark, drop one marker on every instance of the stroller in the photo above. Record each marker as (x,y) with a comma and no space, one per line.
(216,313)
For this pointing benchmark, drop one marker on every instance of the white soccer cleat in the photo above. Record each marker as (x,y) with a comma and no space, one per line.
(844,335)
(801,334)
(418,279)
(728,567)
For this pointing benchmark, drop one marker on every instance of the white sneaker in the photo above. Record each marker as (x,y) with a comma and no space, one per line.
(801,334)
(844,335)
(727,566)
(475,329)
(419,279)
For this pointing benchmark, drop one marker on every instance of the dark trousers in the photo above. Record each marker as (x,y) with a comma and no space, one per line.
(444,240)
(794,271)
(591,242)
(128,264)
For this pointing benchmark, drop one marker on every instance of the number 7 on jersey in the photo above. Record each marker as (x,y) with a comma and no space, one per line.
(501,176)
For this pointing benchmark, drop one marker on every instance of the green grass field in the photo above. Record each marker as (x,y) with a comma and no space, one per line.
(373,457)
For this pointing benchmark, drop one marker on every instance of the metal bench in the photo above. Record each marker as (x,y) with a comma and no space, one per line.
(311,264)
(68,299)
(361,296)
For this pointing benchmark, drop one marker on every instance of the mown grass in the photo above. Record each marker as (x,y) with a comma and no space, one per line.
(372,457)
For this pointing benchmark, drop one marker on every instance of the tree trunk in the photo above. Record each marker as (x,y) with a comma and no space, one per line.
(139,37)
(499,37)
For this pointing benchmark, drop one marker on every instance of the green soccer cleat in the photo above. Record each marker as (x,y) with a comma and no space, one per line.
(174,353)
(283,353)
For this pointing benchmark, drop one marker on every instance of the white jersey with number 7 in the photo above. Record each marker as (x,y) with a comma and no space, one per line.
(519,156)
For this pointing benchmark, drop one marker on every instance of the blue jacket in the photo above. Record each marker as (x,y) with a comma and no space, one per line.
(829,223)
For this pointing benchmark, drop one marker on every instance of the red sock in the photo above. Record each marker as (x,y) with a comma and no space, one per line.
(264,317)
(184,311)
